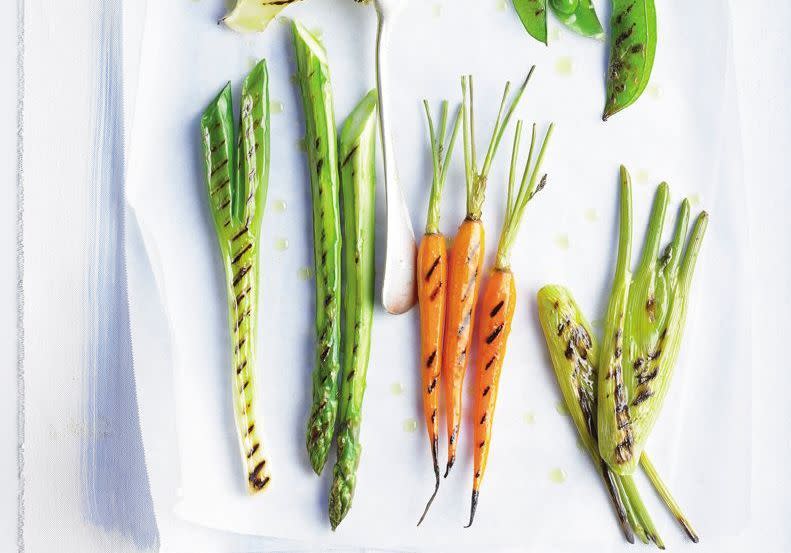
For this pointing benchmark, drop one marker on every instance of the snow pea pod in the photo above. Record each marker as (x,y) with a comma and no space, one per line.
(579,16)
(533,14)
(358,186)
(322,152)
(632,49)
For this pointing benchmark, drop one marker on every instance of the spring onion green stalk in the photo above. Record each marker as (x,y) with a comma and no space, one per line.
(322,154)
(237,175)
(358,184)
(645,322)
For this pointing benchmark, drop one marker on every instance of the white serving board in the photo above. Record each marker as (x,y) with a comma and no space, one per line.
(684,130)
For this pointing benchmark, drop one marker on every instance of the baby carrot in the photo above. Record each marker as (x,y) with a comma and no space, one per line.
(432,269)
(465,261)
(498,301)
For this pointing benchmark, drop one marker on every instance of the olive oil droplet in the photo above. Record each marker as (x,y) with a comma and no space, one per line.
(281,244)
(562,241)
(560,407)
(557,475)
(251,61)
(305,273)
(281,206)
(591,215)
(501,5)
(396,388)
(555,34)
(642,176)
(655,91)
(436,10)
(694,200)
(275,106)
(530,417)
(410,425)
(564,66)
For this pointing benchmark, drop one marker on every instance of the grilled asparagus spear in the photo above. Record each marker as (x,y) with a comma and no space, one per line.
(237,175)
(358,183)
(322,153)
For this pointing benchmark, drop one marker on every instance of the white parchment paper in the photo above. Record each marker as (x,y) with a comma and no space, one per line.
(684,130)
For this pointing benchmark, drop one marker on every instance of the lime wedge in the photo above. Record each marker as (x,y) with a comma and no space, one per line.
(253,16)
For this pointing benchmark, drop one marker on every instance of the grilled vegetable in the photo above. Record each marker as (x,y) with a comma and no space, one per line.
(498,303)
(632,49)
(358,184)
(645,322)
(465,262)
(322,154)
(575,356)
(251,16)
(432,270)
(533,14)
(237,175)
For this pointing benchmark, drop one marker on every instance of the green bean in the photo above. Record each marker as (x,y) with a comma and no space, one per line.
(322,154)
(237,180)
(579,16)
(533,14)
(632,49)
(358,185)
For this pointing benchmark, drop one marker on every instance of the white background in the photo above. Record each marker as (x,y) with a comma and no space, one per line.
(763,75)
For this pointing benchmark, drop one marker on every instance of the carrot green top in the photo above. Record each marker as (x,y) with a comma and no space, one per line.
(476,180)
(439,164)
(528,187)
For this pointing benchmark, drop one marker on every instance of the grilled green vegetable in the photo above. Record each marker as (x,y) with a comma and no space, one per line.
(579,16)
(322,153)
(575,356)
(632,49)
(237,175)
(533,14)
(643,332)
(358,184)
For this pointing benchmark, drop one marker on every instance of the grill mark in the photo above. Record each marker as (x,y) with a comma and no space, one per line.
(489,363)
(240,275)
(226,203)
(259,466)
(319,165)
(243,251)
(245,385)
(486,391)
(483,418)
(497,308)
(435,291)
(222,164)
(349,155)
(483,443)
(239,234)
(251,428)
(240,344)
(473,251)
(495,333)
(241,366)
(432,386)
(243,316)
(242,294)
(432,268)
(351,375)
(217,146)
(325,352)
(642,396)
(430,360)
(253,450)
(434,415)
(646,377)
(220,186)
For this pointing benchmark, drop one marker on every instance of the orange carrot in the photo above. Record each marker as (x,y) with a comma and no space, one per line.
(466,258)
(496,311)
(432,268)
